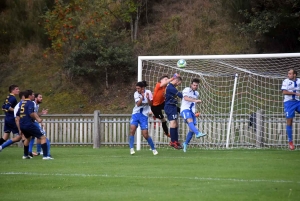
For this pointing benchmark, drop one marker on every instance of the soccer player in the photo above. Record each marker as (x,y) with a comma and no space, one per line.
(37,101)
(18,137)
(188,105)
(9,121)
(143,101)
(159,101)
(291,91)
(172,94)
(27,117)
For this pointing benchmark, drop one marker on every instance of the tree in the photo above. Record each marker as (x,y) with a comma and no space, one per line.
(107,57)
(274,23)
(68,25)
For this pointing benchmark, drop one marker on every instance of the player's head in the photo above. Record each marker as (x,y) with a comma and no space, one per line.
(21,95)
(140,87)
(38,98)
(195,84)
(176,81)
(14,89)
(163,78)
(292,74)
(28,94)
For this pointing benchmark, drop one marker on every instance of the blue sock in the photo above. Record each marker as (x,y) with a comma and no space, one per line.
(289,132)
(31,143)
(189,137)
(45,149)
(150,142)
(193,128)
(173,134)
(131,141)
(7,143)
(48,146)
(38,147)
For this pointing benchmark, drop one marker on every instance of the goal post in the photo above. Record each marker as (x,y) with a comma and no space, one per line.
(234,89)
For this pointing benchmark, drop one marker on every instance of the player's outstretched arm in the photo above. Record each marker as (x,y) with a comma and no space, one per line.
(285,92)
(165,82)
(192,99)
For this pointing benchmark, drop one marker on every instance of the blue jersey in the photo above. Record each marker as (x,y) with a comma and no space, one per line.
(24,112)
(10,101)
(172,95)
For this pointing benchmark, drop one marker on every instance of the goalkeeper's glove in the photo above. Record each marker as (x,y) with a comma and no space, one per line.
(176,75)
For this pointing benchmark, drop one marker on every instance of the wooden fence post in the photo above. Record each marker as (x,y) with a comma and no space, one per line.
(96,130)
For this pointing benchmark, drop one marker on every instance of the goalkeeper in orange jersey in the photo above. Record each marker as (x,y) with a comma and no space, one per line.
(159,100)
(187,111)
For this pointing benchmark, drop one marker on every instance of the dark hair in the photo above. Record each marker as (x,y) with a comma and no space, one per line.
(294,71)
(12,87)
(162,77)
(195,80)
(21,94)
(36,95)
(145,83)
(140,84)
(27,93)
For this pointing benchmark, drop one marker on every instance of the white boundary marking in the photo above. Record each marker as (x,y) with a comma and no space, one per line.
(148,177)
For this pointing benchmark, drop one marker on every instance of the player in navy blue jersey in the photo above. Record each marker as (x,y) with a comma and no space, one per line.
(18,137)
(172,94)
(37,101)
(27,116)
(8,107)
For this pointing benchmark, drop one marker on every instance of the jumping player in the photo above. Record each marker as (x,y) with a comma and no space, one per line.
(188,105)
(159,101)
(291,91)
(172,94)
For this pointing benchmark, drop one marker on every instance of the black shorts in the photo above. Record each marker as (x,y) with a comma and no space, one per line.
(157,110)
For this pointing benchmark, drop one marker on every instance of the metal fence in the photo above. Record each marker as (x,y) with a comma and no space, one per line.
(107,129)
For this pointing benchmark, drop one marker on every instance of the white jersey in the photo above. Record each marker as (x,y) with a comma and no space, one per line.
(291,86)
(145,107)
(187,105)
(36,107)
(17,108)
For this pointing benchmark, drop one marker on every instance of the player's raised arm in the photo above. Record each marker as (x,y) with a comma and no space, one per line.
(165,79)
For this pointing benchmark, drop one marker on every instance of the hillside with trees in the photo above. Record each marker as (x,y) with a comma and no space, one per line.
(82,54)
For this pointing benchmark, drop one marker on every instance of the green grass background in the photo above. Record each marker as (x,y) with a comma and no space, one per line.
(111,173)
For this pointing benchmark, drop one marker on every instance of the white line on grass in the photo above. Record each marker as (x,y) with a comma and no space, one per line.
(148,177)
(184,157)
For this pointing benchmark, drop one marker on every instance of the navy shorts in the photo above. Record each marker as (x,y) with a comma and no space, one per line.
(171,112)
(11,127)
(32,130)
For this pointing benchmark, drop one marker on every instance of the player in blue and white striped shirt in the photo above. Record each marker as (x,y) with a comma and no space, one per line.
(187,111)
(143,100)
(291,91)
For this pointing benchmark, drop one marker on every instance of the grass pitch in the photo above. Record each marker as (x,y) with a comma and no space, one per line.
(111,173)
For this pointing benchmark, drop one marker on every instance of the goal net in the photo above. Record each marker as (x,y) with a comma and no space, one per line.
(242,102)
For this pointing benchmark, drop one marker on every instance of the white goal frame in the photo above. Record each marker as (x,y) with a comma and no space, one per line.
(202,57)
